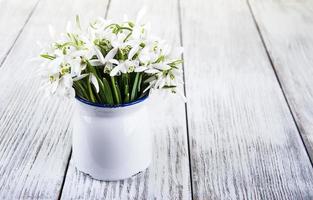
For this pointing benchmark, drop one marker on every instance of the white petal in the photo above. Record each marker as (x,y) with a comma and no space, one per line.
(67,81)
(70,93)
(54,86)
(80,77)
(123,68)
(99,55)
(148,88)
(140,69)
(95,63)
(132,52)
(114,61)
(162,66)
(166,67)
(110,54)
(167,49)
(83,66)
(75,67)
(152,71)
(150,79)
(136,32)
(78,53)
(114,71)
(55,65)
(159,82)
(162,83)
(94,81)
(140,15)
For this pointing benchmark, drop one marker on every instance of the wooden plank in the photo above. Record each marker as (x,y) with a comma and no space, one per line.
(13,18)
(244,142)
(168,177)
(35,132)
(287,29)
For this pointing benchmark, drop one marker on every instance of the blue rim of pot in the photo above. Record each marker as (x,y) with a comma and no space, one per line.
(112,106)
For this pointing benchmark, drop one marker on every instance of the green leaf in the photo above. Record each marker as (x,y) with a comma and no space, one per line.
(107,91)
(126,87)
(47,56)
(150,79)
(116,91)
(176,62)
(81,88)
(92,98)
(98,99)
(160,59)
(101,91)
(134,89)
(126,99)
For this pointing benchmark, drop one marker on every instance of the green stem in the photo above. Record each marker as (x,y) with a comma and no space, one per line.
(107,91)
(129,34)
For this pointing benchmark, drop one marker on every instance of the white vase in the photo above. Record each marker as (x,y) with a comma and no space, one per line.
(111,143)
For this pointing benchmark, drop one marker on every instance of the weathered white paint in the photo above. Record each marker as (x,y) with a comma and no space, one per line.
(287,28)
(168,176)
(13,16)
(35,132)
(244,142)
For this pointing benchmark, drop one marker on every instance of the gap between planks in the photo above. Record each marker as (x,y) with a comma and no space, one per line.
(65,173)
(185,93)
(278,80)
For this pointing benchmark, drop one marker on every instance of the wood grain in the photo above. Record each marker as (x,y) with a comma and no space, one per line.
(13,18)
(244,142)
(35,131)
(168,176)
(287,29)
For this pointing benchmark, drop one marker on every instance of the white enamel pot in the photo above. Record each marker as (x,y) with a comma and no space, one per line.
(111,143)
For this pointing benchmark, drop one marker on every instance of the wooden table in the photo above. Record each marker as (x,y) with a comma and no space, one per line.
(245,133)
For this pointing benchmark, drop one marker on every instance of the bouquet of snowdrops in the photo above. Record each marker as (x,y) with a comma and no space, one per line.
(110,63)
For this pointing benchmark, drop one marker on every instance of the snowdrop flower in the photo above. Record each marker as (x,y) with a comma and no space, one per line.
(124,67)
(147,55)
(103,60)
(66,88)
